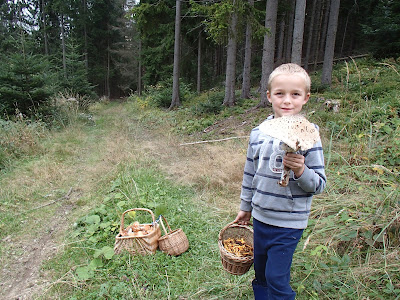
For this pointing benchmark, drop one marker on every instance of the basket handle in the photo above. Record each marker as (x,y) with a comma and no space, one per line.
(162,224)
(229,225)
(122,227)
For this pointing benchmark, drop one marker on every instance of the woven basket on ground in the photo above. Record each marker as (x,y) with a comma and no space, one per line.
(143,245)
(174,242)
(234,264)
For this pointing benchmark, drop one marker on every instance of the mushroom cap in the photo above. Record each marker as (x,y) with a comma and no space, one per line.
(294,130)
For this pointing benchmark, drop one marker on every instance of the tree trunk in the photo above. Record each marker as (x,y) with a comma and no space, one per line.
(289,33)
(325,19)
(139,87)
(175,85)
(64,54)
(345,30)
(310,35)
(45,39)
(317,38)
(298,31)
(268,48)
(326,77)
(281,41)
(199,64)
(247,60)
(107,85)
(229,99)
(85,36)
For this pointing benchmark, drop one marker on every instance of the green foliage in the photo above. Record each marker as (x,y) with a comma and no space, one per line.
(218,16)
(211,106)
(24,84)
(382,28)
(157,41)
(75,77)
(155,276)
(161,94)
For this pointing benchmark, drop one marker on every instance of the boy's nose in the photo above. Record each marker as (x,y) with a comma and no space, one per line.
(286,98)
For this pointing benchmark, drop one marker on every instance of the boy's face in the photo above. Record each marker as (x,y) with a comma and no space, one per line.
(287,95)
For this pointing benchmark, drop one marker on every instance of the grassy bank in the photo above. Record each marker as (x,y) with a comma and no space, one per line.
(136,154)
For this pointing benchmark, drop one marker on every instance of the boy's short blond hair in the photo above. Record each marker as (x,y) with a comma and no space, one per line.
(291,69)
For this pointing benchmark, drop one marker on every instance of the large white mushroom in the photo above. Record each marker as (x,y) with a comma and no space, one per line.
(295,132)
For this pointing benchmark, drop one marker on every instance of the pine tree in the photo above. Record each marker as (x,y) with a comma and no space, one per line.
(25,83)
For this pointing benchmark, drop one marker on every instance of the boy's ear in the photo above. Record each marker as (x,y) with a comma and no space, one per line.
(269,97)
(307,97)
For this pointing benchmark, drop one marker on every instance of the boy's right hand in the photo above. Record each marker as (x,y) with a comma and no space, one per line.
(243,217)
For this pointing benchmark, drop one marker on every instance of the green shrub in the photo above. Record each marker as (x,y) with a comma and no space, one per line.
(212,104)
(160,95)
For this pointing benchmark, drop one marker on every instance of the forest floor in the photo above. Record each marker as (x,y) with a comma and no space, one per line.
(60,186)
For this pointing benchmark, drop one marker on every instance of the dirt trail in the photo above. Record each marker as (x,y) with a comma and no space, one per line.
(97,157)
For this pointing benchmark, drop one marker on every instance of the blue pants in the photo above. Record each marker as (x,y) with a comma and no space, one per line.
(273,253)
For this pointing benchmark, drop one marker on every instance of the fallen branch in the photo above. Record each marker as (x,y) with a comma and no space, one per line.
(213,141)
(66,196)
(344,58)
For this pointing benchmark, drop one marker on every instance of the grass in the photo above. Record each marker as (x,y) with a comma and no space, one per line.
(133,157)
(196,273)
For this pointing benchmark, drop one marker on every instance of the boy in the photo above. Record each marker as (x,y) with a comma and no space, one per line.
(280,214)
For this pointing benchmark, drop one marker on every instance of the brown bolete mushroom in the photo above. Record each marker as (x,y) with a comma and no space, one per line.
(295,132)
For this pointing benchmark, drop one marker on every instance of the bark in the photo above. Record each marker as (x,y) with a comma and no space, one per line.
(107,85)
(298,31)
(325,19)
(175,85)
(45,39)
(85,36)
(218,62)
(199,64)
(64,58)
(268,48)
(289,32)
(350,13)
(281,41)
(326,77)
(310,35)
(139,87)
(247,60)
(229,99)
(317,37)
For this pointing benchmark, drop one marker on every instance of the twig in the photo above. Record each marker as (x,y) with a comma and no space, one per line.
(66,196)
(391,66)
(162,224)
(213,141)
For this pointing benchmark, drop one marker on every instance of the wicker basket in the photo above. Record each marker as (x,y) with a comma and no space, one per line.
(173,242)
(143,245)
(234,264)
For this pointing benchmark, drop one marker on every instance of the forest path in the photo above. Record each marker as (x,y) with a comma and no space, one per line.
(57,188)
(53,191)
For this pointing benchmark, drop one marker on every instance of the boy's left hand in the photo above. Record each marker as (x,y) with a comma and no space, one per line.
(295,162)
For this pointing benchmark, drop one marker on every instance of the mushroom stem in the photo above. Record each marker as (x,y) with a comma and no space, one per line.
(284,181)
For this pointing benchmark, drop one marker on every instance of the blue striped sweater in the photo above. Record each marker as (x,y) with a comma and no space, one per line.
(269,202)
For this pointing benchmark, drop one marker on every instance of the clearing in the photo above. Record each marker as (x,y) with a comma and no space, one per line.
(50,192)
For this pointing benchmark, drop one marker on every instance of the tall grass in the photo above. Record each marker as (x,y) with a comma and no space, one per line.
(19,138)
